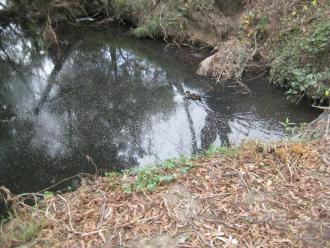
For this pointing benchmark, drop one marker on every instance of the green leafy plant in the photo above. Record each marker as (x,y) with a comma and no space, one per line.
(127,188)
(48,194)
(261,27)
(291,127)
(147,178)
(301,63)
(318,41)
(169,164)
(288,126)
(150,177)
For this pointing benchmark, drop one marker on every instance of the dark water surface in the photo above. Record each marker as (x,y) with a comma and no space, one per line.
(118,100)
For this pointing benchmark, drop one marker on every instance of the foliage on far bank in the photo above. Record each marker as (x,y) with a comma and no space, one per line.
(302,62)
(292,38)
(295,38)
(196,21)
(180,20)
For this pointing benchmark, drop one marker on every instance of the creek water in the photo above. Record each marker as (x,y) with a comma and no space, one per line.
(118,101)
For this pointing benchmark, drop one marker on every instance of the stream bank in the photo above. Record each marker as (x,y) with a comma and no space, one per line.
(254,195)
(257,194)
(289,38)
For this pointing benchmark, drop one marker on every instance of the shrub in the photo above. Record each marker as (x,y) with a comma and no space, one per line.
(152,28)
(302,62)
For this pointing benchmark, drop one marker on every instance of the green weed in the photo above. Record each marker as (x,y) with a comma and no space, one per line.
(150,177)
(291,128)
(302,63)
(213,150)
(48,194)
(147,179)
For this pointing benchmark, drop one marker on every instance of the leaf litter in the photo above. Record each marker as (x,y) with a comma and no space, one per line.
(265,195)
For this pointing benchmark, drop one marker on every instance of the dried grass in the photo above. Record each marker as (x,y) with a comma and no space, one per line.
(265,196)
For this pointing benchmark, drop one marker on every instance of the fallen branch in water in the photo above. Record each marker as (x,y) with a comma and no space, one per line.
(321,107)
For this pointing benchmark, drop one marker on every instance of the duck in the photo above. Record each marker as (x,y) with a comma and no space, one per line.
(193,96)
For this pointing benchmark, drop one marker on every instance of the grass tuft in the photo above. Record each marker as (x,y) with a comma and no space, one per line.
(152,28)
